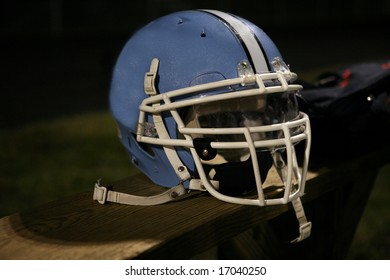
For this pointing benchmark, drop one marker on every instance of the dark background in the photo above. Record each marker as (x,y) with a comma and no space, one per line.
(57,55)
(56,59)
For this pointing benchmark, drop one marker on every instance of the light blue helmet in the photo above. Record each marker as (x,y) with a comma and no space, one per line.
(203,100)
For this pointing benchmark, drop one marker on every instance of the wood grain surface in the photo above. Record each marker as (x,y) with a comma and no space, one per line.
(77,227)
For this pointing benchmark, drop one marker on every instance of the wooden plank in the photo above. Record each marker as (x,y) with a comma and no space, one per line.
(77,227)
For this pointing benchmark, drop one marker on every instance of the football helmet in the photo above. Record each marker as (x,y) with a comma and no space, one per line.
(204,101)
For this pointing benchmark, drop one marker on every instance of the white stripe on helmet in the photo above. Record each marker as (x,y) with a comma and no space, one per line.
(247,37)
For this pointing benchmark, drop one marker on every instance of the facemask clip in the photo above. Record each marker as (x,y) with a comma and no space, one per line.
(150,78)
(244,69)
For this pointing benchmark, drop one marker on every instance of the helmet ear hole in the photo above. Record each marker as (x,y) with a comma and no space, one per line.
(147,148)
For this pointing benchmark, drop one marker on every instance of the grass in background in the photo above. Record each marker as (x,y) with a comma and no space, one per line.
(48,160)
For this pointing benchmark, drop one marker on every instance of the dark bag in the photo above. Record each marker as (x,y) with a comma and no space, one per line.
(349,110)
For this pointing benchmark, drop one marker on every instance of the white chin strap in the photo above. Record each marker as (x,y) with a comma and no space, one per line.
(304,225)
(103,194)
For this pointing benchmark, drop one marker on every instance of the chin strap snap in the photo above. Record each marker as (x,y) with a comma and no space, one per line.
(103,194)
(304,225)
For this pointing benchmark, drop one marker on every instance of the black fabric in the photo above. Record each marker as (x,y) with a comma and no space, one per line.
(237,178)
(203,148)
(349,109)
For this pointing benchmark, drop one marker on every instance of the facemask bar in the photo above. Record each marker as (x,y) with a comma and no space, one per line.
(287,171)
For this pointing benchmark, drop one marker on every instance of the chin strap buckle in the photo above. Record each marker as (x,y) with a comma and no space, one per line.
(304,232)
(100,193)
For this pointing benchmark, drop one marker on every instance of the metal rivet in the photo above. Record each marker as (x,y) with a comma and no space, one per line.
(279,164)
(205,153)
(181,168)
(174,194)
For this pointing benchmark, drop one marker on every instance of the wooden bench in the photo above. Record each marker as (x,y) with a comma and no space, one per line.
(77,227)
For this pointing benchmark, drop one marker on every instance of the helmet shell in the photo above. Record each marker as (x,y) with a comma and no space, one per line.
(193,47)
